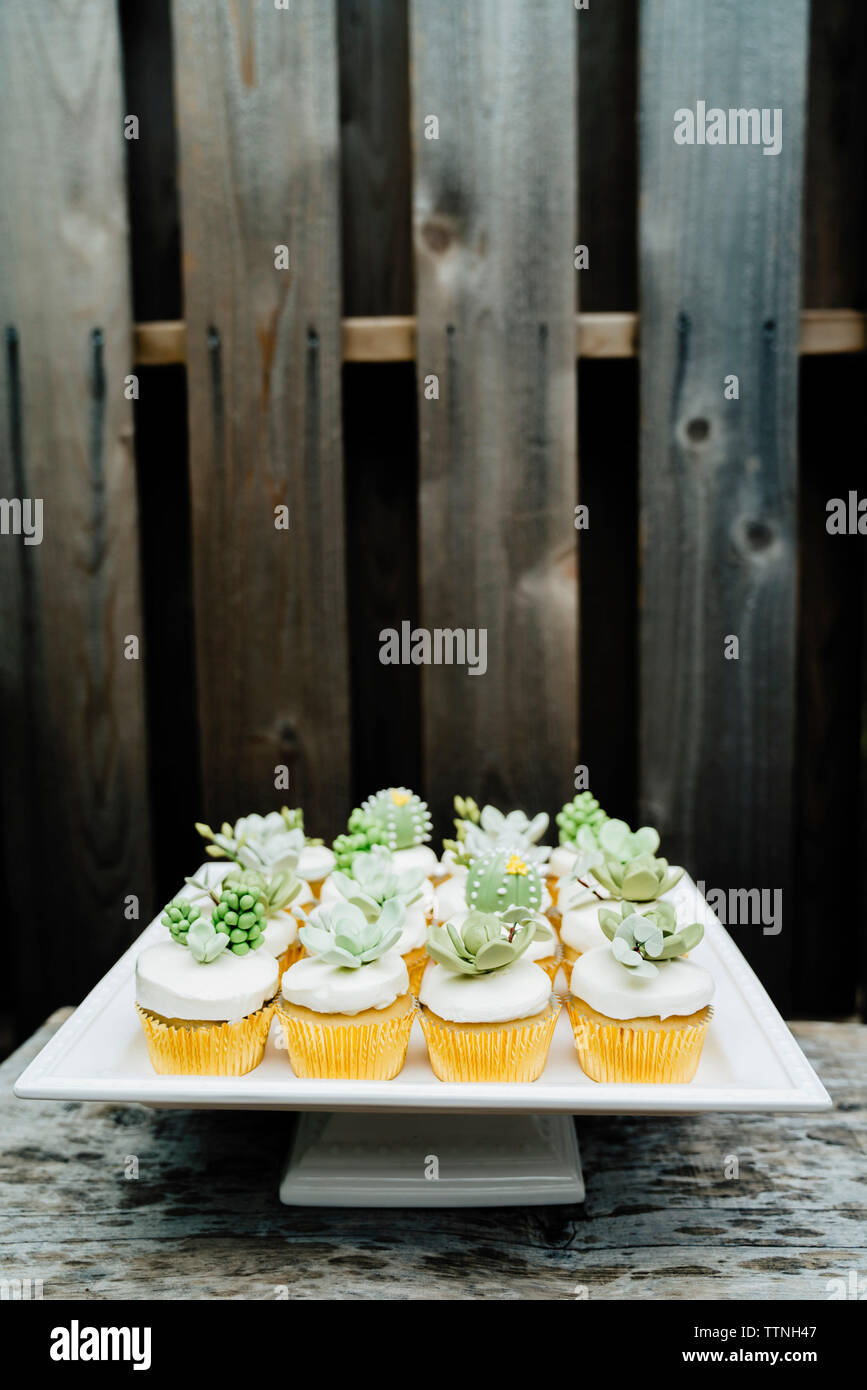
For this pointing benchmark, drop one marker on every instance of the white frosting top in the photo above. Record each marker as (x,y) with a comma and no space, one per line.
(315,862)
(541,948)
(580,929)
(561,861)
(680,987)
(338,989)
(517,991)
(280,932)
(416,857)
(414,930)
(170,981)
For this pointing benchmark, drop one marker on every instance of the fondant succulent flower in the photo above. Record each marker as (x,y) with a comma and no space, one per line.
(582,812)
(394,817)
(503,878)
(641,936)
(374,881)
(340,934)
(205,942)
(480,831)
(294,820)
(617,841)
(276,891)
(484,942)
(257,842)
(640,879)
(179,916)
(242,913)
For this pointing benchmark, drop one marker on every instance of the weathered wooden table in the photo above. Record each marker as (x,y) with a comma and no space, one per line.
(664,1217)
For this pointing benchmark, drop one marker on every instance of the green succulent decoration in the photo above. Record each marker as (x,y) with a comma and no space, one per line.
(503,878)
(582,812)
(467,813)
(638,880)
(272,842)
(340,934)
(638,938)
(374,881)
(486,941)
(394,817)
(242,912)
(480,831)
(205,942)
(294,820)
(617,841)
(179,916)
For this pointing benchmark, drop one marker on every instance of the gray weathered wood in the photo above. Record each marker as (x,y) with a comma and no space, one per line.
(720,269)
(661,1220)
(258,135)
(494,226)
(74,792)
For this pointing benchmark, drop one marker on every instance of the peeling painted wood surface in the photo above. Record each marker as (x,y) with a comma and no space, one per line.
(661,1221)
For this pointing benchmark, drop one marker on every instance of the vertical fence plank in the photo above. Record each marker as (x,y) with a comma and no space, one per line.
(74,801)
(258,129)
(719,267)
(494,227)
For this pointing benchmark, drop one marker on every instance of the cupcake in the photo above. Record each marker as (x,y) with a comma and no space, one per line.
(487,1012)
(205,1002)
(579,823)
(398,820)
(618,869)
(639,1012)
(345,1009)
(374,882)
(273,844)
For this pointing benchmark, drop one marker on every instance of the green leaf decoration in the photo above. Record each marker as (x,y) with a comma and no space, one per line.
(242,912)
(374,881)
(179,916)
(339,933)
(640,879)
(583,812)
(486,941)
(481,831)
(647,933)
(205,942)
(622,844)
(259,842)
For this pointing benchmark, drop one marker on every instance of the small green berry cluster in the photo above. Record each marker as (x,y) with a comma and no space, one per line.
(582,810)
(241,916)
(179,916)
(361,835)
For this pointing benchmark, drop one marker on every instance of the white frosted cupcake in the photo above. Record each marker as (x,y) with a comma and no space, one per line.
(487,1012)
(204,1007)
(345,1009)
(375,881)
(639,1012)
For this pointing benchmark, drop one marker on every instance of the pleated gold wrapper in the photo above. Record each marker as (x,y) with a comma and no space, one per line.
(344,1048)
(550,965)
(515,1051)
(206,1049)
(294,951)
(657,1051)
(416,964)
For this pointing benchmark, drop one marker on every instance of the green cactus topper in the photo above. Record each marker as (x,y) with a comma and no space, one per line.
(340,934)
(640,937)
(375,881)
(242,912)
(638,880)
(503,878)
(582,811)
(179,915)
(486,941)
(395,817)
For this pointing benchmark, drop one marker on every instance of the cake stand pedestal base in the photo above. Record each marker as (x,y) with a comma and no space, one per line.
(407,1160)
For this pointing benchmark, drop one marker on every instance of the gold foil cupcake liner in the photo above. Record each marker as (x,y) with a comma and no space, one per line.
(489,1052)
(207,1049)
(550,965)
(346,1051)
(416,964)
(294,951)
(617,1052)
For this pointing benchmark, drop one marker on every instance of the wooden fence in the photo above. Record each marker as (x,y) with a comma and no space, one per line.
(411,259)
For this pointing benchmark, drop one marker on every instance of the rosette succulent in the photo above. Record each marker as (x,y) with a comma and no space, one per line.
(242,913)
(503,878)
(640,879)
(617,841)
(479,831)
(340,934)
(583,812)
(485,941)
(374,881)
(179,916)
(205,942)
(394,817)
(272,842)
(641,936)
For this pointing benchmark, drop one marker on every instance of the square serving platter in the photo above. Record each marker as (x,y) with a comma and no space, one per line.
(750,1060)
